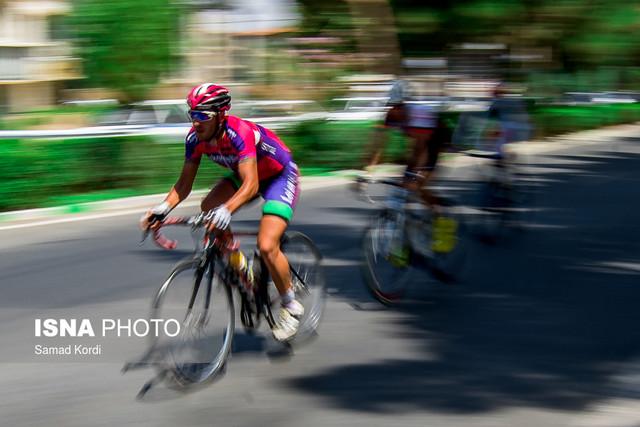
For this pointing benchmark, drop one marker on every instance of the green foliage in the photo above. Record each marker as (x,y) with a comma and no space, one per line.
(582,35)
(491,10)
(34,172)
(562,119)
(337,145)
(125,45)
(325,17)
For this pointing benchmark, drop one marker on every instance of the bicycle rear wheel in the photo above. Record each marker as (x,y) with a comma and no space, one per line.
(386,267)
(199,301)
(307,279)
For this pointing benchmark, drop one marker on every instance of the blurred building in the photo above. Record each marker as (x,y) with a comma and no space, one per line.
(33,64)
(235,42)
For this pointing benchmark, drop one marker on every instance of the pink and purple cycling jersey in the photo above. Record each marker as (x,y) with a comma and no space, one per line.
(243,139)
(277,173)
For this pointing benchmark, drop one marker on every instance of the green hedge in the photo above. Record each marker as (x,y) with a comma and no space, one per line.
(51,172)
(550,120)
(337,145)
(42,172)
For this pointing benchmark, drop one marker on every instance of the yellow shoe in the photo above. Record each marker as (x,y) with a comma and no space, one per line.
(444,234)
(399,258)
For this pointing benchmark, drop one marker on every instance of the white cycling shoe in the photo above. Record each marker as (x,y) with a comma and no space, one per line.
(294,308)
(287,323)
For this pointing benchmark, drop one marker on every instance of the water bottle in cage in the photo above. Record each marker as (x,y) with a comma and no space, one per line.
(255,267)
(240,264)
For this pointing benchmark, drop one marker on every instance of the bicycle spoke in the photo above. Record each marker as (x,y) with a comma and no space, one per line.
(307,280)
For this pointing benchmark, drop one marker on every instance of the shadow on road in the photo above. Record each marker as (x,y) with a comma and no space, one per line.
(543,322)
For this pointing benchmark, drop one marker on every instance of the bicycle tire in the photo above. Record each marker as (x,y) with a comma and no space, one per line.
(198,370)
(387,290)
(308,280)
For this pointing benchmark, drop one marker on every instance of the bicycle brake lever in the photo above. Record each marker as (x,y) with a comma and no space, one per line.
(152,220)
(145,234)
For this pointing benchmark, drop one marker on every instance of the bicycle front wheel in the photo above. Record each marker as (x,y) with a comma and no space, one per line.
(387,258)
(200,303)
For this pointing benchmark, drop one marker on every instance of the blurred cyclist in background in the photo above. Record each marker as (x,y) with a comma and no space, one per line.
(426,131)
(510,114)
(260,163)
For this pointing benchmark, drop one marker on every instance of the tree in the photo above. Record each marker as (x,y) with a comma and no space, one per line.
(126,45)
(366,29)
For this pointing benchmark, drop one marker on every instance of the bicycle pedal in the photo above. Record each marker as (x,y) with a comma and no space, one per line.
(149,384)
(144,390)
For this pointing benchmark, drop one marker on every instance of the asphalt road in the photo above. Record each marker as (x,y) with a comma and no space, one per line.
(543,330)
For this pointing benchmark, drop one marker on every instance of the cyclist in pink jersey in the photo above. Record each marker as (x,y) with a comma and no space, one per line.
(260,164)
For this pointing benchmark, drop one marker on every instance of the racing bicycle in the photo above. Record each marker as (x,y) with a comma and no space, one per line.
(504,202)
(199,294)
(403,236)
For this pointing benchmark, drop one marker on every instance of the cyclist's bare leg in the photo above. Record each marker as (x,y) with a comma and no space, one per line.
(419,184)
(421,170)
(271,230)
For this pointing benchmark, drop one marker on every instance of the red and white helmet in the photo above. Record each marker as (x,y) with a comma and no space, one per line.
(209,97)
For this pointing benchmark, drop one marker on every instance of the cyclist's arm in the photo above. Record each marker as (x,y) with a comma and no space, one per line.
(248,172)
(419,150)
(375,150)
(183,186)
(395,117)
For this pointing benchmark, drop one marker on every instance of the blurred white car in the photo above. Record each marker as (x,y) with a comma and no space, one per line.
(615,98)
(157,112)
(169,117)
(462,104)
(360,108)
(278,114)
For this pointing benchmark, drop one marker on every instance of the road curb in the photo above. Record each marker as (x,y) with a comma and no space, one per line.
(12,219)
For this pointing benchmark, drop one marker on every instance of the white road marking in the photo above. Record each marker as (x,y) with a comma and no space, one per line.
(140,210)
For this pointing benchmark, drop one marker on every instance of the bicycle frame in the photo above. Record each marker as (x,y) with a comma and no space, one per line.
(412,223)
(214,251)
(416,259)
(214,254)
(210,261)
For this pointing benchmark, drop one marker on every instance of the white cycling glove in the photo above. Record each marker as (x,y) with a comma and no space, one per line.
(220,217)
(162,209)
